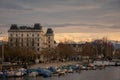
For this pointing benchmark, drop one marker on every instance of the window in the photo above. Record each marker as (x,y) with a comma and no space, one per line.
(37,34)
(32,39)
(22,35)
(27,34)
(32,43)
(49,42)
(11,40)
(49,46)
(16,40)
(38,44)
(27,44)
(16,34)
(11,35)
(37,49)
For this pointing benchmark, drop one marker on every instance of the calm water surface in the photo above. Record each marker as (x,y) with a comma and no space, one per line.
(109,73)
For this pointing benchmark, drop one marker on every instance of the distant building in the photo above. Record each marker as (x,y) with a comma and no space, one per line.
(30,37)
(77,47)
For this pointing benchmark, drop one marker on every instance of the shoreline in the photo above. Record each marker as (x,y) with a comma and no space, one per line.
(55,64)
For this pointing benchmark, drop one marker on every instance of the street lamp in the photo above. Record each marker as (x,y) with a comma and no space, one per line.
(2,43)
(2,53)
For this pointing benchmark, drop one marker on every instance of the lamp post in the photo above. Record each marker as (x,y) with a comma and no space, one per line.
(2,43)
(2,53)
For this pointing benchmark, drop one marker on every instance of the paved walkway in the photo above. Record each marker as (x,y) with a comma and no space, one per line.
(45,65)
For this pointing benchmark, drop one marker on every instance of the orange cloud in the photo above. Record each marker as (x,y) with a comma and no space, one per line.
(78,37)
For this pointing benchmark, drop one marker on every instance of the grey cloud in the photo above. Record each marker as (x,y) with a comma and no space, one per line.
(62,12)
(111,6)
(115,4)
(100,26)
(3,29)
(115,27)
(54,4)
(9,5)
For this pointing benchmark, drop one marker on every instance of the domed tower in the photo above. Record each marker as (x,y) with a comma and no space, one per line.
(13,27)
(50,38)
(37,26)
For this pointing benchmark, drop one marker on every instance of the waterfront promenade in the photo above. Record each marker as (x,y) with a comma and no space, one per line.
(55,64)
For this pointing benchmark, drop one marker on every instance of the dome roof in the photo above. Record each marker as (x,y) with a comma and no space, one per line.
(14,26)
(37,26)
(23,27)
(49,31)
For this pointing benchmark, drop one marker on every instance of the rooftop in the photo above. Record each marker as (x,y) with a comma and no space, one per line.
(37,26)
(49,31)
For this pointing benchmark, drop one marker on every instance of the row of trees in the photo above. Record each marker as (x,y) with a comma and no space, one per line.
(97,47)
(17,54)
(92,49)
(62,51)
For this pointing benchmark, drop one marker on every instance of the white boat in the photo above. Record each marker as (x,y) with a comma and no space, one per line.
(58,70)
(70,70)
(33,74)
(99,63)
(83,67)
(61,73)
(106,63)
(18,73)
(1,74)
(11,73)
(111,63)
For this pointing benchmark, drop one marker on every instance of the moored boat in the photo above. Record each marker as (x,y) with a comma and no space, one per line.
(32,72)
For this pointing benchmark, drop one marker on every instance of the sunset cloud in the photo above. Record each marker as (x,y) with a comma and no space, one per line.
(82,37)
(89,17)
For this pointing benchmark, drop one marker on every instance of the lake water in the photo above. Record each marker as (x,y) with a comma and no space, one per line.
(109,73)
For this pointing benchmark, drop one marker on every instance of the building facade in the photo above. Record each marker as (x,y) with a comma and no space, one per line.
(30,37)
(50,38)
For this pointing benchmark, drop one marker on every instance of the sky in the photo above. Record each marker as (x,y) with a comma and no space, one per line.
(75,20)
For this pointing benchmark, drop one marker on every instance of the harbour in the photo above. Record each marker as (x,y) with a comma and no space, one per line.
(109,73)
(59,40)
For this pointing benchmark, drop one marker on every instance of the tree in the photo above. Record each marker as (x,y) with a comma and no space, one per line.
(103,47)
(49,54)
(45,53)
(64,50)
(18,53)
(88,50)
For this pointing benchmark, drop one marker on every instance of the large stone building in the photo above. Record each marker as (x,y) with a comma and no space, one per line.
(30,37)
